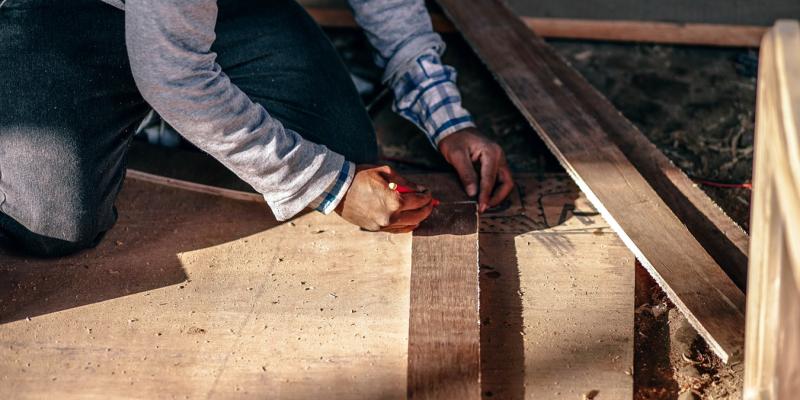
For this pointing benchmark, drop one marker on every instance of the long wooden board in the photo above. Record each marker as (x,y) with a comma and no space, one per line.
(699,34)
(541,85)
(760,13)
(772,363)
(444,330)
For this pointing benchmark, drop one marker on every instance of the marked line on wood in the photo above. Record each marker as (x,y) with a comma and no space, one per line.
(444,330)
(541,85)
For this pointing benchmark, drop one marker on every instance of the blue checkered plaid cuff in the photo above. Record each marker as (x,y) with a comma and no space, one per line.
(427,95)
(334,193)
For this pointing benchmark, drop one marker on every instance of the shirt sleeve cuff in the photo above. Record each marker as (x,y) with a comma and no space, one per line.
(427,95)
(334,193)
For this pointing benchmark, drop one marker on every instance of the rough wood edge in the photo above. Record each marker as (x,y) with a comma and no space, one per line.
(194,187)
(695,34)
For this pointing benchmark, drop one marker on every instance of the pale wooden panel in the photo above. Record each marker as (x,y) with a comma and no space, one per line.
(772,363)
(195,296)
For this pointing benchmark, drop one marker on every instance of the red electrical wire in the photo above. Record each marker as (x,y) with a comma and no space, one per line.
(724,185)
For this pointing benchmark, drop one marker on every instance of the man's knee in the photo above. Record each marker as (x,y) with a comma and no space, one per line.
(55,197)
(74,232)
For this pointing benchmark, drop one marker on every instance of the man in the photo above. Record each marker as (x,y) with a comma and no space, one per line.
(256,84)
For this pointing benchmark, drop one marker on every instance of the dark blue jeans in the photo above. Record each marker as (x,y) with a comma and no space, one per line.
(68,105)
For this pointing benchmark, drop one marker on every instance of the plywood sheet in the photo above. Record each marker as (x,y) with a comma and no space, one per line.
(195,296)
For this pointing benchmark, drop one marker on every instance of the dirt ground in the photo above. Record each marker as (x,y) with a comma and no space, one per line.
(696,104)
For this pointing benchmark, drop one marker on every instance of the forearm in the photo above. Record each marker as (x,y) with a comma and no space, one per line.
(425,89)
(169,45)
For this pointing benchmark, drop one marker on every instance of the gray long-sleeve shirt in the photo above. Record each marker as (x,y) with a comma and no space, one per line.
(169,45)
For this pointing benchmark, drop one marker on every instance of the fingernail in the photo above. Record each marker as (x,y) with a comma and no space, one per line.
(421,188)
(483,207)
(472,189)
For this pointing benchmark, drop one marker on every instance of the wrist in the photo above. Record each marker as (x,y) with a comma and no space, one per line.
(331,198)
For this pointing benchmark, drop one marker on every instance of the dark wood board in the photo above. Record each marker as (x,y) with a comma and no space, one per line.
(542,85)
(444,330)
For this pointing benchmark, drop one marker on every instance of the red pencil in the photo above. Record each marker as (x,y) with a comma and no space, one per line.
(405,189)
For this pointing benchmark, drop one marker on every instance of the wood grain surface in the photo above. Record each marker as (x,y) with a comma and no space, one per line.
(444,330)
(541,85)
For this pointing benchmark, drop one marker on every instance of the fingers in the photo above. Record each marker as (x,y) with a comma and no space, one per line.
(390,175)
(400,229)
(460,160)
(413,201)
(411,217)
(489,166)
(506,184)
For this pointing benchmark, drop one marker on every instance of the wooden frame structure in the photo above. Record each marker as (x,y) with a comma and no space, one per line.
(772,363)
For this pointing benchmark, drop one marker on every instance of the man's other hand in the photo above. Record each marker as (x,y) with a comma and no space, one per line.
(370,204)
(465,150)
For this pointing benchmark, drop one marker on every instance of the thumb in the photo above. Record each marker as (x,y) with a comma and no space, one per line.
(466,172)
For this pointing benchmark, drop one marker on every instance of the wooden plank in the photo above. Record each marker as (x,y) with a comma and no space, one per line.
(539,83)
(444,331)
(197,296)
(195,187)
(698,34)
(772,362)
(695,34)
(557,293)
(734,12)
(681,12)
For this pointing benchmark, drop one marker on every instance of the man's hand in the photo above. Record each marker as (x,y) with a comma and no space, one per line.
(466,148)
(370,204)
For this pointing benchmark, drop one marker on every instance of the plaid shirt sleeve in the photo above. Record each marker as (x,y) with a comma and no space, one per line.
(334,193)
(426,94)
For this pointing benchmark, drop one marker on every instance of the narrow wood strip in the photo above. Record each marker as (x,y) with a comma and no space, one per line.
(648,32)
(444,330)
(194,187)
(539,83)
(605,30)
